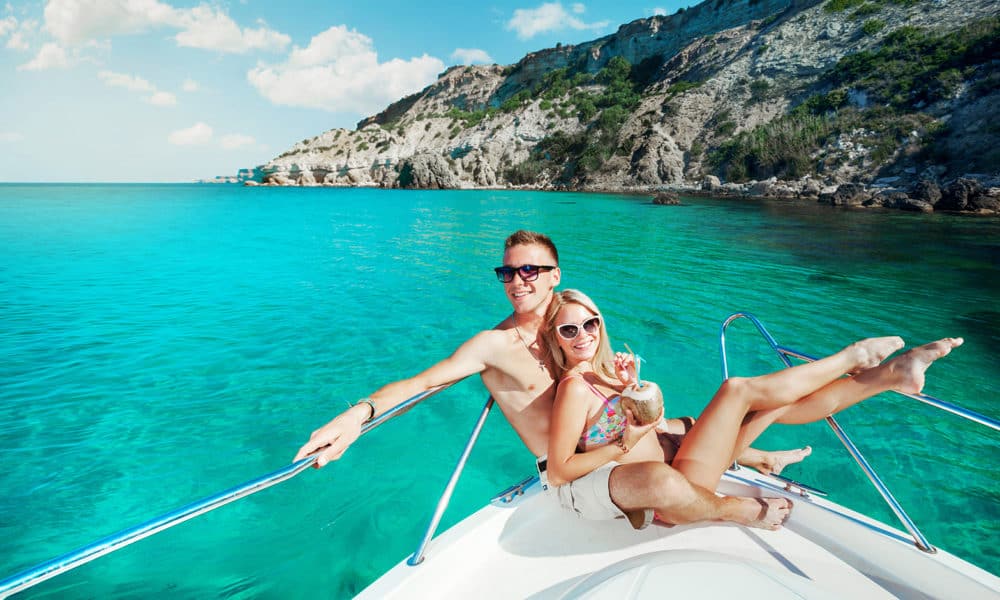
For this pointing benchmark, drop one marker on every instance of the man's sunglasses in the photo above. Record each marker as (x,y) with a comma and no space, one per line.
(569,331)
(526,272)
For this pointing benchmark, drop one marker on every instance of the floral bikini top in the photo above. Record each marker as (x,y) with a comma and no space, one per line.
(609,426)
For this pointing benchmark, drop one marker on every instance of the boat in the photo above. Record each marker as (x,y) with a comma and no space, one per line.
(523,545)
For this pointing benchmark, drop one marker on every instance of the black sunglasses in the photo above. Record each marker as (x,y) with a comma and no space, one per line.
(569,331)
(527,272)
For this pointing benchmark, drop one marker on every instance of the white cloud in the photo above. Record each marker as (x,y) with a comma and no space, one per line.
(7,25)
(339,71)
(211,29)
(659,12)
(236,140)
(162,99)
(551,16)
(16,42)
(468,56)
(10,137)
(133,84)
(75,22)
(196,135)
(579,8)
(51,56)
(190,85)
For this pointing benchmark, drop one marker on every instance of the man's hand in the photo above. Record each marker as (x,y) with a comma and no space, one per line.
(333,439)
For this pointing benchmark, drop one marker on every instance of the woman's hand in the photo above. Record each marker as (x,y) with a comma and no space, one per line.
(625,368)
(634,432)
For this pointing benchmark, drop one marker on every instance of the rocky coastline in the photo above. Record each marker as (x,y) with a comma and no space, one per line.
(971,194)
(731,98)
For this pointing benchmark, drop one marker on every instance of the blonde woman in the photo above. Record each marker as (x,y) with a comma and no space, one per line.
(595,453)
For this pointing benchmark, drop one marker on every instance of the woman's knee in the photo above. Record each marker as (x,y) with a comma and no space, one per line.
(737,390)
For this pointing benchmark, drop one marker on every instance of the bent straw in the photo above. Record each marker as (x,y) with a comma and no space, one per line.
(635,361)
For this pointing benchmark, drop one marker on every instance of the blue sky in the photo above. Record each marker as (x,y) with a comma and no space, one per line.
(164,90)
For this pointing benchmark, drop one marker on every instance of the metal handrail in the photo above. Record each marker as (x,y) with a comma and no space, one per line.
(48,569)
(418,554)
(783,353)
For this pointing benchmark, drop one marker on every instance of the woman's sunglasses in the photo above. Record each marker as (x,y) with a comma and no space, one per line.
(569,331)
(527,272)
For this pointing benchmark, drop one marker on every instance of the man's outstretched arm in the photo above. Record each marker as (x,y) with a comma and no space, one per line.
(334,438)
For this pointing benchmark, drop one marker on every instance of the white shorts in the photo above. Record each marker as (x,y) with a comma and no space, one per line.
(589,497)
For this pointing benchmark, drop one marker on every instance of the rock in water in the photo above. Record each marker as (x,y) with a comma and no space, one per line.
(668,198)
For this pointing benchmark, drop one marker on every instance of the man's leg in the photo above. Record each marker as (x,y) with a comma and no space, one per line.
(727,427)
(676,500)
(765,461)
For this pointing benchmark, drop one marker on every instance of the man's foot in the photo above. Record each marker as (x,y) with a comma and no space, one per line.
(775,462)
(908,369)
(870,352)
(764,513)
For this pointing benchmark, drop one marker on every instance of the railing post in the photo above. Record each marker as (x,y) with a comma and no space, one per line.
(418,554)
(783,353)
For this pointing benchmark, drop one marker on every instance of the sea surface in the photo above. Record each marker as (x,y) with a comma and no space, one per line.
(161,343)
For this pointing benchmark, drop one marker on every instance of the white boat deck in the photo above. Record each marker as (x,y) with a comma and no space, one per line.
(533,549)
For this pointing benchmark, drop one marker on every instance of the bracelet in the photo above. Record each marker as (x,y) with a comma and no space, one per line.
(620,442)
(370,403)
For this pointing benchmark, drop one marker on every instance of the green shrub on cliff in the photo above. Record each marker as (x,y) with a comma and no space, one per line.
(516,101)
(554,157)
(917,67)
(469,119)
(782,147)
(873,26)
(909,70)
(834,6)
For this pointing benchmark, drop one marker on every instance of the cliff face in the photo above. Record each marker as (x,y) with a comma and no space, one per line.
(690,84)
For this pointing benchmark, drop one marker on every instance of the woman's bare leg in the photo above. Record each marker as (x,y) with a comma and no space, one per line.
(765,461)
(790,384)
(727,427)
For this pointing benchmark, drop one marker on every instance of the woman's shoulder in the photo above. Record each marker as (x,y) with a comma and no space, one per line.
(573,385)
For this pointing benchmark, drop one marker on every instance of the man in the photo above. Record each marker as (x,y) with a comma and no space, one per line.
(513,367)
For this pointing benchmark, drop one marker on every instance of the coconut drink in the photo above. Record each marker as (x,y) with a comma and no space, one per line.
(644,400)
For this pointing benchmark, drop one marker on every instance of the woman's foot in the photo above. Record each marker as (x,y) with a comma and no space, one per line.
(908,370)
(775,462)
(869,353)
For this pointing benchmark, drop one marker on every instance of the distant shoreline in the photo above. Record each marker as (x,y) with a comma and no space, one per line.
(972,194)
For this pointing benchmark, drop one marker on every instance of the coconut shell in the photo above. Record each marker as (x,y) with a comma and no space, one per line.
(646,402)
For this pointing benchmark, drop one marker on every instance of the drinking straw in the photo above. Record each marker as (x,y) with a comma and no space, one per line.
(636,360)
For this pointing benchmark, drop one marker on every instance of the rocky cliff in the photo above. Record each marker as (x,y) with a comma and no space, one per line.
(759,97)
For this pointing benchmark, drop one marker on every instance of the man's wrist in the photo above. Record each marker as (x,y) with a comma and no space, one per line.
(369,405)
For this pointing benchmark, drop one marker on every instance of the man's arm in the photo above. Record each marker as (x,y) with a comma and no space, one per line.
(333,439)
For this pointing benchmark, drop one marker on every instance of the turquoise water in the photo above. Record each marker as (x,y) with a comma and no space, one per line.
(162,343)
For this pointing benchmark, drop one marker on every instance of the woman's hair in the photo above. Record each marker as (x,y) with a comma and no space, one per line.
(603,361)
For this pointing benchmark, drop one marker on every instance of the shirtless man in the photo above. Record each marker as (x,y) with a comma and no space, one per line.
(512,366)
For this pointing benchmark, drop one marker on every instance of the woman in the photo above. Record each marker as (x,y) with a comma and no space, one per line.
(590,434)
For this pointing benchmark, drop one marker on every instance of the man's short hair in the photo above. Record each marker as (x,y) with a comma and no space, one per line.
(523,237)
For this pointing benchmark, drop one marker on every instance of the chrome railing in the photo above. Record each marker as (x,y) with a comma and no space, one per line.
(46,570)
(418,554)
(784,354)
